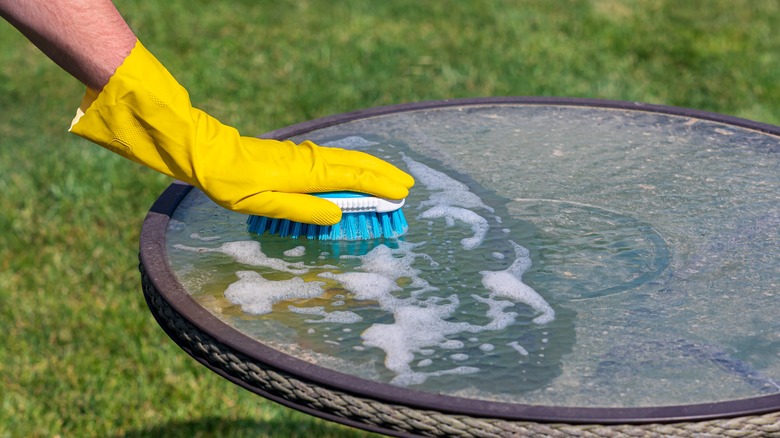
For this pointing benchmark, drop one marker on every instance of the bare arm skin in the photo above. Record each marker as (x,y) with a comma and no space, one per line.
(87,38)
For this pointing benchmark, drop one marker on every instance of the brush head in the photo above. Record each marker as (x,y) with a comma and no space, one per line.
(363,217)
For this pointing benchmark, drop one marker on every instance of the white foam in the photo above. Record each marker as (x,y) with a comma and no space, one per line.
(499,319)
(508,284)
(249,252)
(416,378)
(422,326)
(451,344)
(432,179)
(298,251)
(519,348)
(394,264)
(367,286)
(450,200)
(197,236)
(414,329)
(479,225)
(256,295)
(339,316)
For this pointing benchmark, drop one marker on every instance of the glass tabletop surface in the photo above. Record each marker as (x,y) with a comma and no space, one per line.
(556,255)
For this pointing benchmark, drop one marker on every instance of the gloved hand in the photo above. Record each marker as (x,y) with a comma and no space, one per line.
(143,114)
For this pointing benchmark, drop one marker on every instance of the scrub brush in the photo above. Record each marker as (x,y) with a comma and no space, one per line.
(363,217)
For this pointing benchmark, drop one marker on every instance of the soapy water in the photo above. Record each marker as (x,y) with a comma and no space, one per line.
(458,303)
(446,301)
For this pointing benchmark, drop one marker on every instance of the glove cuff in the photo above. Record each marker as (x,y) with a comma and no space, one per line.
(142,114)
(89,96)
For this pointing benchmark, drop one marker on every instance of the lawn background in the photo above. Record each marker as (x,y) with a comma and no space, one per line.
(80,354)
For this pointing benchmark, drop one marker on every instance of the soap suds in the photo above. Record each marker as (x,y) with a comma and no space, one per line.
(249,252)
(298,251)
(420,326)
(519,348)
(451,200)
(367,286)
(508,284)
(256,295)
(479,225)
(197,236)
(424,315)
(340,317)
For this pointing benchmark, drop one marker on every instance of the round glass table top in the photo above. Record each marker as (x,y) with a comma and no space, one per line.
(557,255)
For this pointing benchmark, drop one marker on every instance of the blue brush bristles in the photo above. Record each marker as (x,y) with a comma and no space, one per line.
(363,217)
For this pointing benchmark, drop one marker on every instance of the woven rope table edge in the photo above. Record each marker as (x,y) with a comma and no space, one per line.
(406,421)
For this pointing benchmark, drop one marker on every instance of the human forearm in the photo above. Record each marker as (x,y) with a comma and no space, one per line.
(87,38)
(135,108)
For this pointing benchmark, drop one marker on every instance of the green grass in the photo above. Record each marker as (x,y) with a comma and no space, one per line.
(81,355)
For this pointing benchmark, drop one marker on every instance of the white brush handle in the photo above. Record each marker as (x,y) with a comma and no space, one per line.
(366,204)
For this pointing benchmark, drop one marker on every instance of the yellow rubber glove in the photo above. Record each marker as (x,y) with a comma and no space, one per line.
(143,114)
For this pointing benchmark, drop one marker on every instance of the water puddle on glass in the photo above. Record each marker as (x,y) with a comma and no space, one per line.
(555,255)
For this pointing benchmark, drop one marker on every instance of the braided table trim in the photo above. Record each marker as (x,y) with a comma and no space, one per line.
(406,421)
